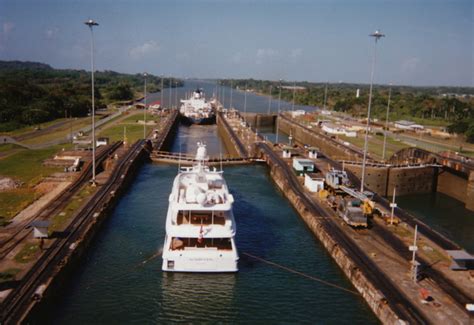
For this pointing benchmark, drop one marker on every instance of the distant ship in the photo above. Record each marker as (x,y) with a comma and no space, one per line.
(200,225)
(196,110)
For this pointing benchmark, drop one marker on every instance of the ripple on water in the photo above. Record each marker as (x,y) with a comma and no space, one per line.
(112,285)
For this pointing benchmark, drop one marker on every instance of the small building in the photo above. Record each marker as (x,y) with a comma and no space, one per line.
(314,182)
(287,152)
(40,228)
(302,165)
(408,125)
(461,260)
(102,141)
(154,105)
(313,152)
(331,128)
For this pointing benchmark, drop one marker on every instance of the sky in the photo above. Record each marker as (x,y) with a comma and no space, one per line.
(428,42)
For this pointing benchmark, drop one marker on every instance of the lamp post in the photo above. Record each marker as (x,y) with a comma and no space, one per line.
(278,114)
(386,123)
(91,23)
(325,96)
(377,35)
(161,100)
(176,93)
(170,88)
(270,100)
(144,108)
(231,86)
(293,103)
(245,104)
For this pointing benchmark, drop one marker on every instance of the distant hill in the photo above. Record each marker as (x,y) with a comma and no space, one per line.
(33,92)
(23,65)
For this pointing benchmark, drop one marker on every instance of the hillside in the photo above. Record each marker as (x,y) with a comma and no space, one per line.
(32,92)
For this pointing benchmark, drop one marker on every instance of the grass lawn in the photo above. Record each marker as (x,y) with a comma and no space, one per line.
(61,132)
(375,145)
(32,128)
(9,146)
(27,253)
(14,201)
(27,166)
(134,130)
(58,222)
(115,133)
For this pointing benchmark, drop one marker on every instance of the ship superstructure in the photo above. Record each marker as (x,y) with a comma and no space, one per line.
(200,225)
(196,110)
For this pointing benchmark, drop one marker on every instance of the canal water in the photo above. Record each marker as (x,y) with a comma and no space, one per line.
(120,279)
(445,214)
(255,103)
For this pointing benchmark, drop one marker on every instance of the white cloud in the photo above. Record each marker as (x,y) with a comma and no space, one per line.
(265,54)
(410,64)
(51,33)
(146,49)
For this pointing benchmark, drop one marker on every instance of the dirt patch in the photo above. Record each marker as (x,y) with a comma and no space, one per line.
(7,183)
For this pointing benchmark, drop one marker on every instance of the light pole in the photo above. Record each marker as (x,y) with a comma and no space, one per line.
(278,114)
(270,100)
(293,103)
(144,109)
(325,96)
(245,104)
(91,23)
(170,84)
(386,123)
(231,86)
(161,102)
(176,93)
(376,36)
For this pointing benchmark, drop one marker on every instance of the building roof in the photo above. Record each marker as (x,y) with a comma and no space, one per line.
(405,122)
(460,255)
(40,223)
(303,161)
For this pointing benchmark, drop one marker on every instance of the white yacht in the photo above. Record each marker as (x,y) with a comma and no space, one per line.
(196,110)
(200,225)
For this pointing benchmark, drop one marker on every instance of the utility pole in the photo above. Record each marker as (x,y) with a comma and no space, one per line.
(386,123)
(170,87)
(278,114)
(325,96)
(293,103)
(245,104)
(176,93)
(270,100)
(91,24)
(231,86)
(161,100)
(377,35)
(144,108)
(393,205)
(414,263)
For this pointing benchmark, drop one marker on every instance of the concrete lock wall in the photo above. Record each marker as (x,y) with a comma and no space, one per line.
(226,138)
(375,177)
(303,136)
(452,185)
(382,180)
(470,192)
(259,120)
